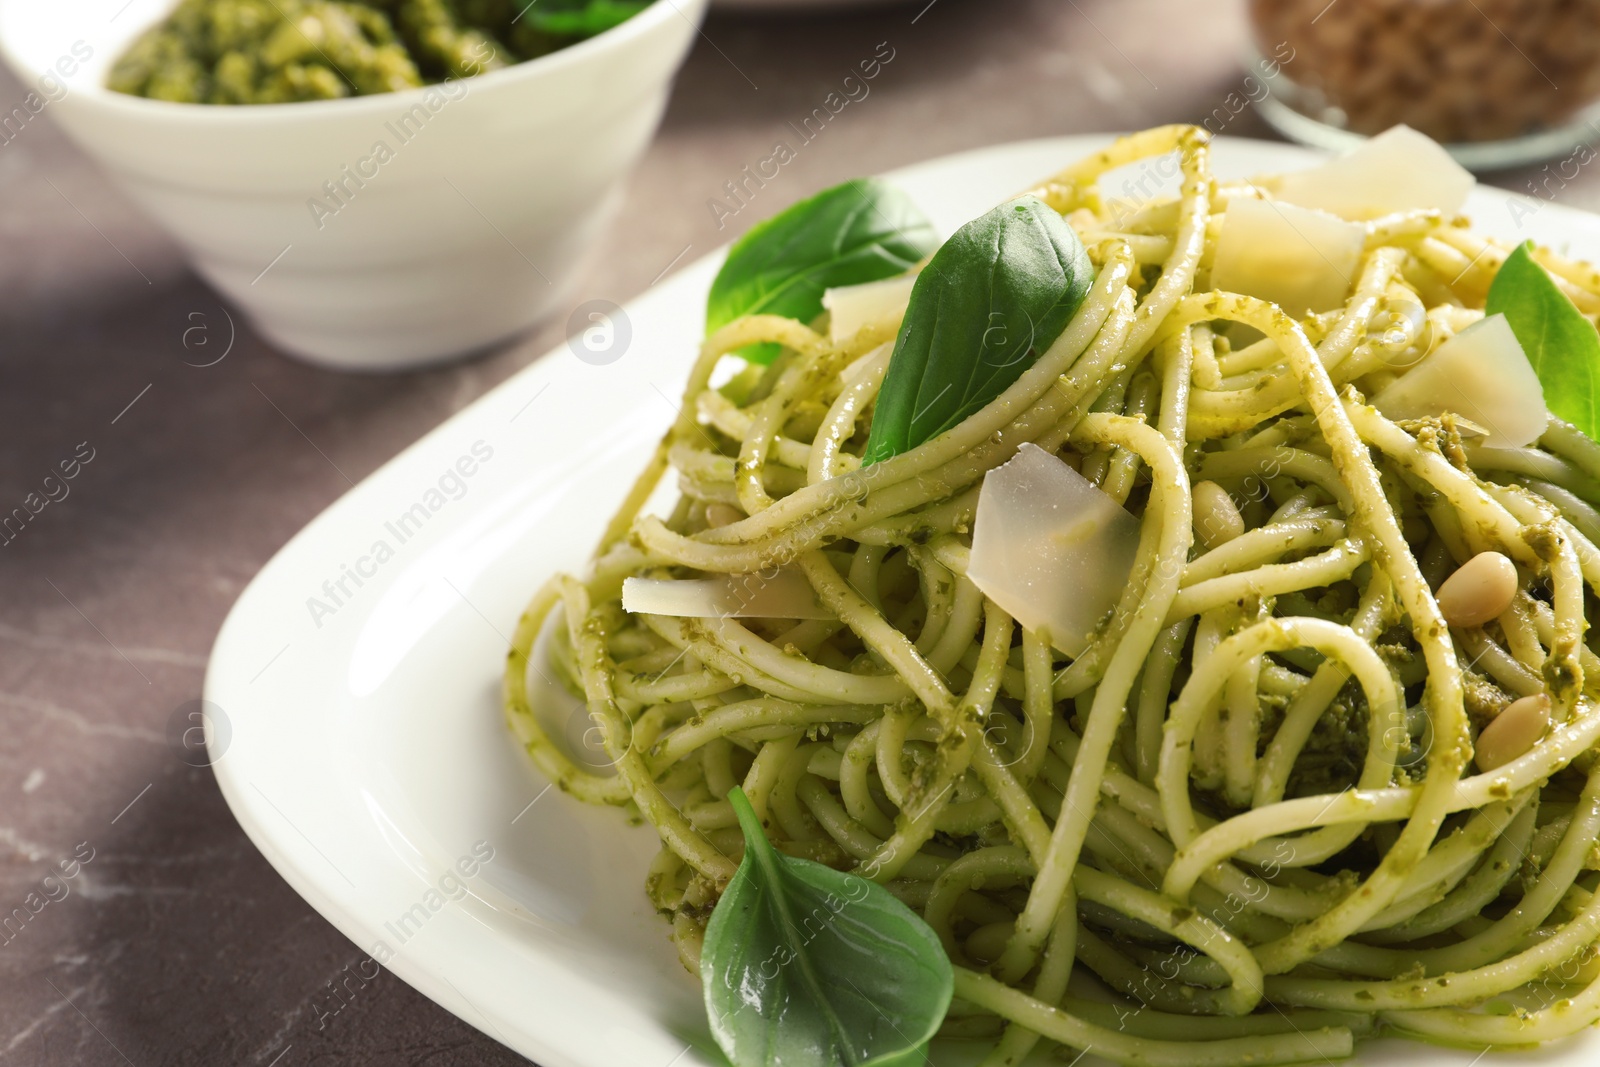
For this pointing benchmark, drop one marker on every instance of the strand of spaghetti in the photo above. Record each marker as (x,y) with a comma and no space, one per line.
(793,821)
(762,777)
(997,866)
(1197,852)
(1577,511)
(1255,356)
(833,686)
(1462,987)
(688,685)
(1162,983)
(551,761)
(1546,534)
(859,498)
(1325,568)
(1392,554)
(1504,934)
(1264,544)
(1123,467)
(965,615)
(1217,413)
(743,331)
(1265,462)
(749,715)
(1193,145)
(1303,713)
(1245,981)
(847,408)
(1545,625)
(1250,831)
(1170,512)
(1055,970)
(1567,441)
(1176,359)
(1022,818)
(818,684)
(815,364)
(1251,905)
(586,633)
(1462,492)
(916,675)
(1520,635)
(1154,695)
(1447,865)
(1058,1025)
(1155,141)
(1210,629)
(1074,340)
(859,842)
(1241,733)
(855,785)
(712,476)
(953,755)
(1563,1017)
(1478,889)
(1088,669)
(734,421)
(1534,464)
(1038,705)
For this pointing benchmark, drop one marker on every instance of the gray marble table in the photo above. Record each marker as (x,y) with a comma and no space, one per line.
(176,943)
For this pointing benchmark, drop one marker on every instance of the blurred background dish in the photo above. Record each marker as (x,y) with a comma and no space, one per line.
(465,231)
(1499,82)
(797,6)
(281,51)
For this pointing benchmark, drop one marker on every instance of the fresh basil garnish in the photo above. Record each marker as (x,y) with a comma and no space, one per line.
(993,297)
(1559,341)
(803,964)
(581,18)
(861,231)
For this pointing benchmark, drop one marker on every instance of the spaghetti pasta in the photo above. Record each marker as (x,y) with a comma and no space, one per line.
(1249,807)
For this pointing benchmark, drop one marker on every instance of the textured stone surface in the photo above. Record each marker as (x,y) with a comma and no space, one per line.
(178,944)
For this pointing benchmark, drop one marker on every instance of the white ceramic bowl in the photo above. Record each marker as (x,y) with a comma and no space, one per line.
(467,230)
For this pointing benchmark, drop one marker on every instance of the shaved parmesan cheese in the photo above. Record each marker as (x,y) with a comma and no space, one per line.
(851,307)
(1398,170)
(783,594)
(1050,549)
(1482,374)
(1300,259)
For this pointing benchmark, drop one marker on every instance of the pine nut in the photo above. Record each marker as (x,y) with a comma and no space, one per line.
(1480,589)
(1512,732)
(1216,517)
(722,515)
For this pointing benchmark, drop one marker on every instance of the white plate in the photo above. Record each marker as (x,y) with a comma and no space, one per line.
(367,752)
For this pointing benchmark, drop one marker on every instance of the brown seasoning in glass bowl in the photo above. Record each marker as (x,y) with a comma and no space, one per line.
(1457,70)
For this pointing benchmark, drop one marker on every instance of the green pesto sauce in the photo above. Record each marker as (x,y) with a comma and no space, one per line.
(282,51)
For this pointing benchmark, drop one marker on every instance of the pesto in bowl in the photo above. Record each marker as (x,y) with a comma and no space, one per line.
(283,51)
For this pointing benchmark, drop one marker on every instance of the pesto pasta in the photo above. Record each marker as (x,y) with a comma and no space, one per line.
(1322,770)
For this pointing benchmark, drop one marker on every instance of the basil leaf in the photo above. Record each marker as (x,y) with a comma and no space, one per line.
(994,296)
(1558,339)
(803,964)
(583,19)
(861,231)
